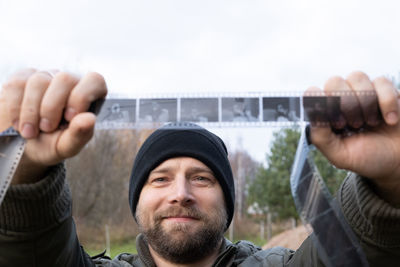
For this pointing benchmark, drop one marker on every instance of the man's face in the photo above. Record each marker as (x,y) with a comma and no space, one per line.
(181,210)
(281,109)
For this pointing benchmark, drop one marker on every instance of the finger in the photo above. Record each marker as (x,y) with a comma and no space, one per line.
(387,98)
(90,88)
(30,108)
(365,93)
(314,102)
(55,100)
(4,121)
(321,109)
(79,132)
(349,106)
(12,93)
(330,144)
(323,137)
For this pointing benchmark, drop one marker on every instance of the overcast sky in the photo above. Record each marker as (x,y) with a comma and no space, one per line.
(203,46)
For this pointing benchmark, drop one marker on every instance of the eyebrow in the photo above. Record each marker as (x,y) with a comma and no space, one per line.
(200,169)
(191,170)
(162,170)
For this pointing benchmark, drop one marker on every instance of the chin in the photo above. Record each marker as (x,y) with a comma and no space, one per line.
(177,228)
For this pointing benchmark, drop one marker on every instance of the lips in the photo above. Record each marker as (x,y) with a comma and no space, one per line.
(181,217)
(179,214)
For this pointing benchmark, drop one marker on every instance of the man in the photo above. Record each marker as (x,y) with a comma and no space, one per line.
(181,188)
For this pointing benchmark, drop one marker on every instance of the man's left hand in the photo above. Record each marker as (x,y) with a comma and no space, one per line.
(373,152)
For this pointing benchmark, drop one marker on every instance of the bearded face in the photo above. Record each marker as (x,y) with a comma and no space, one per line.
(183,242)
(181,211)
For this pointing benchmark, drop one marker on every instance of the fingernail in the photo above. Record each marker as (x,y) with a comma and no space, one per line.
(69,114)
(391,117)
(28,131)
(45,124)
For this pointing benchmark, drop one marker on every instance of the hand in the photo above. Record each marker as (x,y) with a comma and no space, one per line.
(374,152)
(35,102)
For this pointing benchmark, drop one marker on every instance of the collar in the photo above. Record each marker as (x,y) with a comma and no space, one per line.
(225,257)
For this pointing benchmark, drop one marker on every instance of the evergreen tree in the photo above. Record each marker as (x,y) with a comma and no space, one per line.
(271,187)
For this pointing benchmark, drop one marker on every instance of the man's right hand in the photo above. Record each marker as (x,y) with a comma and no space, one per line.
(35,102)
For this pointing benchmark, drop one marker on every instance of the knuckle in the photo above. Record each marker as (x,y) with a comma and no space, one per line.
(334,83)
(383,81)
(66,78)
(14,82)
(385,87)
(39,80)
(95,76)
(97,79)
(312,90)
(357,76)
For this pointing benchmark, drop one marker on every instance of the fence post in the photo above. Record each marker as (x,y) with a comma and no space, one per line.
(108,248)
(262,229)
(269,226)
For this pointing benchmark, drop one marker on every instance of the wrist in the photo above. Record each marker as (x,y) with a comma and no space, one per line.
(389,191)
(28,172)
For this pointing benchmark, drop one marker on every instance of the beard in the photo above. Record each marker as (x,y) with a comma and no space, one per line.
(180,243)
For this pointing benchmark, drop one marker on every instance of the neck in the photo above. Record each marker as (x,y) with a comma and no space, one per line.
(205,262)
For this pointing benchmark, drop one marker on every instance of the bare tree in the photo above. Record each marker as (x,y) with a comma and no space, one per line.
(244,169)
(99,180)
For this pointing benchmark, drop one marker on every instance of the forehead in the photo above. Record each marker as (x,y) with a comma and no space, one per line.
(181,163)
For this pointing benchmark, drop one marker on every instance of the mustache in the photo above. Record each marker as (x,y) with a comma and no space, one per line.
(179,211)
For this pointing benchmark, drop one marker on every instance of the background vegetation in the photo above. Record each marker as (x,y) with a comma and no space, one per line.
(99,180)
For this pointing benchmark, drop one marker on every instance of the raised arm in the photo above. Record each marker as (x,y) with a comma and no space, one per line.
(373,152)
(49,110)
(35,102)
(370,148)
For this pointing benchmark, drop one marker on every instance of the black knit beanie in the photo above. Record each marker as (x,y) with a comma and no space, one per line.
(177,140)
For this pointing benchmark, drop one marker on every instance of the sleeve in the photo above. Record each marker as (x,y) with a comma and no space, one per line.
(374,221)
(36,226)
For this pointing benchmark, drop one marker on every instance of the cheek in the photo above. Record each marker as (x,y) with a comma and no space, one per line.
(213,199)
(147,205)
(147,198)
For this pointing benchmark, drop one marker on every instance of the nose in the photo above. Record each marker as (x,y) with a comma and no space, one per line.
(181,192)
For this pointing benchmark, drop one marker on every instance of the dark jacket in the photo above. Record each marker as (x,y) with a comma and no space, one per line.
(242,253)
(36,229)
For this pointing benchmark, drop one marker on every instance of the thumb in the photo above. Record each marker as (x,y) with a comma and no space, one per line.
(74,138)
(330,144)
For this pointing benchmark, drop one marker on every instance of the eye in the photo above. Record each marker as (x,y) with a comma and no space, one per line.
(158,180)
(202,180)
